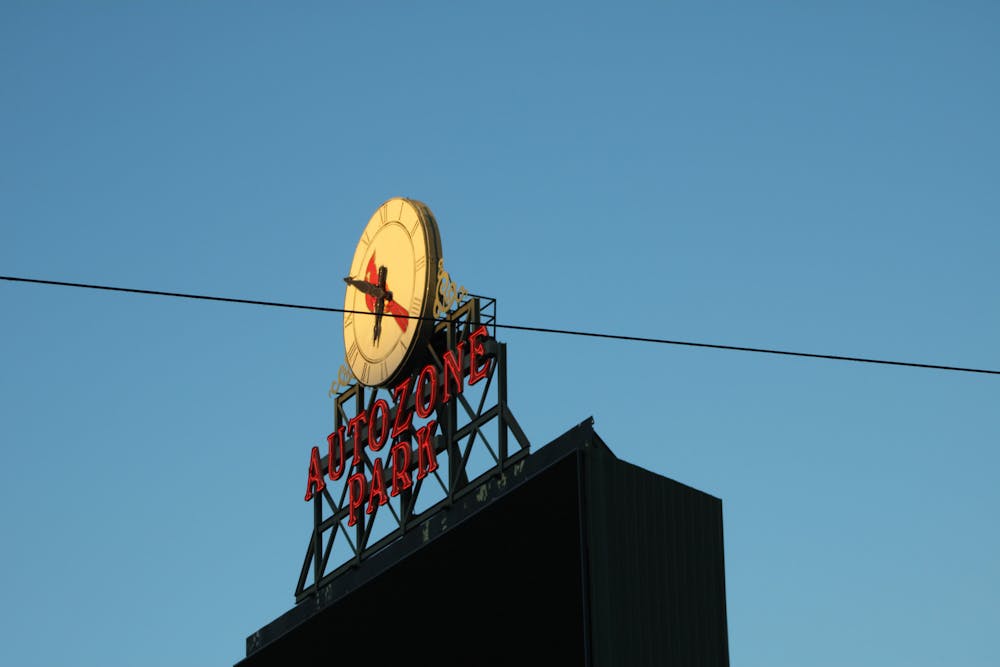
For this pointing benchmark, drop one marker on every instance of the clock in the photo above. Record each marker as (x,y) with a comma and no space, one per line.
(394,276)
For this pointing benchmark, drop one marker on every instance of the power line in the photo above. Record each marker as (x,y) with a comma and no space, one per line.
(515,327)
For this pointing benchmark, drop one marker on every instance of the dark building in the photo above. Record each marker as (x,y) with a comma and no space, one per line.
(570,556)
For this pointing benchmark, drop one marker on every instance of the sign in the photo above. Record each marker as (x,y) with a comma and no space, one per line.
(424,381)
(430,390)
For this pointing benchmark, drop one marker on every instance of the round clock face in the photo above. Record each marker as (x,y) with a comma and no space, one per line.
(393,277)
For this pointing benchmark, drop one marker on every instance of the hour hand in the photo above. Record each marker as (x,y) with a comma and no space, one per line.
(369,288)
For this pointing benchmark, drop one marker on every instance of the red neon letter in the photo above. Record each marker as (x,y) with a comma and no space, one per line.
(375,443)
(400,467)
(424,410)
(314,483)
(426,459)
(477,350)
(453,369)
(337,436)
(401,395)
(356,497)
(377,488)
(354,426)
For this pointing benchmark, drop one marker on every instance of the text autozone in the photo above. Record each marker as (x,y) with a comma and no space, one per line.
(380,425)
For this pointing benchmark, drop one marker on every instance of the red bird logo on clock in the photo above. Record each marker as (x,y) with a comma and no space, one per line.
(378,297)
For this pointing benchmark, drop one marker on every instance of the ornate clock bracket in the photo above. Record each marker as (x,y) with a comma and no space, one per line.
(448,294)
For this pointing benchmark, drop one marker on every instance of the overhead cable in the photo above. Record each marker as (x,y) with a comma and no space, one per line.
(516,327)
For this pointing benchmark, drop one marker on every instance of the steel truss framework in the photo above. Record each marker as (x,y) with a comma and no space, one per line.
(462,438)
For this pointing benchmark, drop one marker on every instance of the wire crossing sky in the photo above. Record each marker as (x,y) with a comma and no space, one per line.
(516,327)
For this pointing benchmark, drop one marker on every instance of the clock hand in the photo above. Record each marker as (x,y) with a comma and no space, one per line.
(379,309)
(369,288)
(380,304)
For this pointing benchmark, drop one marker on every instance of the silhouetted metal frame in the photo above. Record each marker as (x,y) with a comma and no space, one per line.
(453,445)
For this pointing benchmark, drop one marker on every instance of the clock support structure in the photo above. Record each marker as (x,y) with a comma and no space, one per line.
(471,456)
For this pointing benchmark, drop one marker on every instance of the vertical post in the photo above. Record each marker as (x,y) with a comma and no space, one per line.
(359,407)
(448,417)
(502,400)
(317,539)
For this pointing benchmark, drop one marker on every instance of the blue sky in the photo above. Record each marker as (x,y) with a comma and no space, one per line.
(818,177)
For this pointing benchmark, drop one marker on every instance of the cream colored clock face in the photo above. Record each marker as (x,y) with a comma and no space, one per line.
(393,278)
